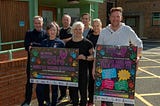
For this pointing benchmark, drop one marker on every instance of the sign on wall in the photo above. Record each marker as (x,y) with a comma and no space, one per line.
(57,66)
(115,73)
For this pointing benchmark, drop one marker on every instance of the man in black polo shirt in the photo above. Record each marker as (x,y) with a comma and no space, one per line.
(65,35)
(33,38)
(65,31)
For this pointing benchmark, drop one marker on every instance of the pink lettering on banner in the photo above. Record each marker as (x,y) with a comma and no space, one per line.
(67,68)
(114,52)
(63,54)
(107,84)
(60,61)
(37,67)
(43,67)
(128,64)
(46,53)
(52,68)
(51,61)
(116,63)
(107,63)
(119,64)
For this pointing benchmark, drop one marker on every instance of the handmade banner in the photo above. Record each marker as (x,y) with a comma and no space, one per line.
(57,66)
(115,73)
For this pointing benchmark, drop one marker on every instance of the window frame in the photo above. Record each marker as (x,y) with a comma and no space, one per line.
(155,18)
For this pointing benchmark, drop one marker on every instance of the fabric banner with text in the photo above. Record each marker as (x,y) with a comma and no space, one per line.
(115,73)
(56,66)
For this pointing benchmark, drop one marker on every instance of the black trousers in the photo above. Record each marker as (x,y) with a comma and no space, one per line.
(54,94)
(29,86)
(62,91)
(42,90)
(82,87)
(91,82)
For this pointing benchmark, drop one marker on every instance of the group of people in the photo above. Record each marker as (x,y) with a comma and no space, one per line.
(85,37)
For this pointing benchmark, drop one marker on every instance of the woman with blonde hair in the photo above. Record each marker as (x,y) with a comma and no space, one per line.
(85,54)
(93,37)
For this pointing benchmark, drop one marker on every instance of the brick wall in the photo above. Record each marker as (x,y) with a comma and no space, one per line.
(144,7)
(102,13)
(12,82)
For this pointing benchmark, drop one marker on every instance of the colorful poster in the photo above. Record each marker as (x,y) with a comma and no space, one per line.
(57,66)
(115,73)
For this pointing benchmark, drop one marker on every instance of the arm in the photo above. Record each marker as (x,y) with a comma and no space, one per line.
(135,40)
(101,39)
(93,69)
(90,57)
(66,40)
(27,41)
(139,53)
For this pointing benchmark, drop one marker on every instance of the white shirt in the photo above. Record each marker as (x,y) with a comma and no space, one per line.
(121,37)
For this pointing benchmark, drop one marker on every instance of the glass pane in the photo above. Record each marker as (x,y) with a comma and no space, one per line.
(131,22)
(156,18)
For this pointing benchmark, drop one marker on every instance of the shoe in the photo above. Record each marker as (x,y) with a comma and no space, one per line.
(47,103)
(62,99)
(59,99)
(70,102)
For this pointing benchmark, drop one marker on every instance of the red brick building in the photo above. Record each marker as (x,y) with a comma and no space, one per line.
(142,15)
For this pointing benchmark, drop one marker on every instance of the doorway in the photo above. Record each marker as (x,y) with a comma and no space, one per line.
(133,22)
(48,13)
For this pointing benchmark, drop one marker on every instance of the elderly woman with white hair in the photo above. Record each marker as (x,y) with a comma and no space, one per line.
(85,54)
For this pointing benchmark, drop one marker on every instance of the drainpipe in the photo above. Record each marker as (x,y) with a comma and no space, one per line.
(59,15)
(91,11)
(33,10)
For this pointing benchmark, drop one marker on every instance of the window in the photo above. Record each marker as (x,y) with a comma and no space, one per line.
(156,19)
(73,12)
(131,21)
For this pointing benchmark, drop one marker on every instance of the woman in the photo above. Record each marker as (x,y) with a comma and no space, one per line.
(93,37)
(52,41)
(85,54)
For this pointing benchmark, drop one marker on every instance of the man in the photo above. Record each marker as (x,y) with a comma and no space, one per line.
(65,31)
(117,33)
(65,35)
(86,20)
(33,38)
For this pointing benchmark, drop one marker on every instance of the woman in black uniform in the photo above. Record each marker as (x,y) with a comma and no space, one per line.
(93,37)
(85,54)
